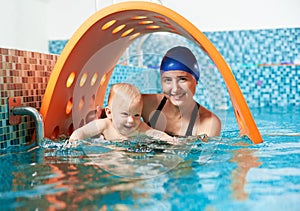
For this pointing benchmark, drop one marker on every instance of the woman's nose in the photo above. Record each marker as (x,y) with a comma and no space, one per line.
(175,86)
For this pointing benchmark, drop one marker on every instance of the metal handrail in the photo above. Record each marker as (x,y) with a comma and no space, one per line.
(25,110)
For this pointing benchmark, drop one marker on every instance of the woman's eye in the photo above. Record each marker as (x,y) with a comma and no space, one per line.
(166,80)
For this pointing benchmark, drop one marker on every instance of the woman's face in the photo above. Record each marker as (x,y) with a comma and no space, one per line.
(179,86)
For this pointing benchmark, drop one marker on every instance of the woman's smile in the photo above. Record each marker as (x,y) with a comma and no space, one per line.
(178,96)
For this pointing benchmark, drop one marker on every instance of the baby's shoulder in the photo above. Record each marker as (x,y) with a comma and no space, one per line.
(103,123)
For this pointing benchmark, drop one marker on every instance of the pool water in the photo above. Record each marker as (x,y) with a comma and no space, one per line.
(226,173)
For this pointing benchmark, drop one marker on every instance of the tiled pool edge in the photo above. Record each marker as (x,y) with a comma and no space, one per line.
(23,74)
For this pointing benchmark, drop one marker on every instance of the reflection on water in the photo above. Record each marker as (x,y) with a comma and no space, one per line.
(135,159)
(99,174)
(141,157)
(245,160)
(228,173)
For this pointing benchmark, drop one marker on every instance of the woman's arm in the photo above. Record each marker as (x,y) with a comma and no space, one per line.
(156,134)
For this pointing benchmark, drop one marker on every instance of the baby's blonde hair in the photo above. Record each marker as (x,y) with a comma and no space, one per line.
(124,91)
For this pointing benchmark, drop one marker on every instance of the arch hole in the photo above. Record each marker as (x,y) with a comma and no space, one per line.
(153,27)
(91,115)
(161,18)
(70,79)
(81,103)
(119,28)
(134,36)
(83,79)
(55,132)
(239,119)
(108,24)
(81,123)
(92,101)
(69,106)
(174,31)
(70,129)
(94,79)
(140,17)
(237,113)
(165,22)
(171,27)
(103,79)
(145,22)
(127,32)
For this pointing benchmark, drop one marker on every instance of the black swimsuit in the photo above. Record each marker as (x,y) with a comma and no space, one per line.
(156,114)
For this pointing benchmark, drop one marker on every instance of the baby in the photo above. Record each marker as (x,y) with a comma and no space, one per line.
(123,118)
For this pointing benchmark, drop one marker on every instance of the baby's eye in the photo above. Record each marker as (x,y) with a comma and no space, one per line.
(137,115)
(124,114)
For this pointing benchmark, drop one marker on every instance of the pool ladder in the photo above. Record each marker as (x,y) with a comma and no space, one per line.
(16,111)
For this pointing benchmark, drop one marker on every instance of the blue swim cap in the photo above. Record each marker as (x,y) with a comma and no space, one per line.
(180,58)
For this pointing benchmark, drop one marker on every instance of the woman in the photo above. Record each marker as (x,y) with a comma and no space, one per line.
(175,111)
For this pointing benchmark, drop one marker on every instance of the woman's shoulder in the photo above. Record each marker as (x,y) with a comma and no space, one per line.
(206,114)
(150,101)
(208,118)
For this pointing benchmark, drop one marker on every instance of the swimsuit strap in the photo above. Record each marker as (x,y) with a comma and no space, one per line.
(189,130)
(156,114)
(154,118)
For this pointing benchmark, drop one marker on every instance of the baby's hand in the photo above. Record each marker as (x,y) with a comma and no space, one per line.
(175,141)
(70,143)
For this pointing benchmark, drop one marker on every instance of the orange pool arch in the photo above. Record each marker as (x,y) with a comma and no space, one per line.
(82,72)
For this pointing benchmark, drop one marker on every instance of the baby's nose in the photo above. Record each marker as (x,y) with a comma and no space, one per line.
(130,118)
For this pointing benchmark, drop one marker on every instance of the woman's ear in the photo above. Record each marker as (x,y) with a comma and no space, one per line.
(108,112)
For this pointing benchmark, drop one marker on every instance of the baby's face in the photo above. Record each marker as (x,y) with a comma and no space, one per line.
(126,116)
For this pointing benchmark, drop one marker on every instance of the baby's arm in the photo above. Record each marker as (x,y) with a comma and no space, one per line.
(89,130)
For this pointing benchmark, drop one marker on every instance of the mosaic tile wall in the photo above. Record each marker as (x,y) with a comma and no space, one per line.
(22,74)
(265,63)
